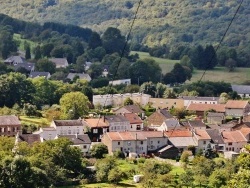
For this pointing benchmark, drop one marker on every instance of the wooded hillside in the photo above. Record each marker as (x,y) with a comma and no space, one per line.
(159,22)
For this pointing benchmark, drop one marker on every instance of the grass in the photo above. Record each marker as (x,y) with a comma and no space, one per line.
(39,121)
(238,76)
(21,46)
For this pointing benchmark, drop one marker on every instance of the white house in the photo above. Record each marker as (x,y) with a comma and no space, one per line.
(242,90)
(167,125)
(117,123)
(136,123)
(202,137)
(68,127)
(199,100)
(118,82)
(47,133)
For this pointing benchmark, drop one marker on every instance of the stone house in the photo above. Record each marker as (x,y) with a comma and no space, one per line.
(9,125)
(237,108)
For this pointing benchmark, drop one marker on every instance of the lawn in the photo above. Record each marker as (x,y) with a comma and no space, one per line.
(21,46)
(34,120)
(238,76)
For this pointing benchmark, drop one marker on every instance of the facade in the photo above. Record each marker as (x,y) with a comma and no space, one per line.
(167,125)
(68,127)
(161,103)
(217,142)
(200,109)
(237,108)
(199,100)
(217,118)
(117,123)
(117,100)
(136,124)
(234,140)
(118,82)
(10,125)
(203,138)
(135,142)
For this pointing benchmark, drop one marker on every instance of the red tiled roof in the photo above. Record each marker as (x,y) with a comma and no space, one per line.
(236,104)
(178,133)
(95,122)
(206,107)
(245,131)
(233,136)
(202,134)
(133,118)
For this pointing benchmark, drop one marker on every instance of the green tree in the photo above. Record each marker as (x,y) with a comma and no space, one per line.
(27,52)
(94,40)
(37,52)
(29,109)
(103,167)
(186,61)
(44,65)
(160,89)
(128,101)
(98,150)
(186,178)
(115,175)
(74,105)
(230,64)
(240,180)
(218,178)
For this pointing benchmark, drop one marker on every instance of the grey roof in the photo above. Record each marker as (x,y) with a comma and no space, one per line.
(197,123)
(183,141)
(78,139)
(28,66)
(133,108)
(166,148)
(116,118)
(77,122)
(60,62)
(215,135)
(241,89)
(29,138)
(199,98)
(15,59)
(39,74)
(165,113)
(9,120)
(172,123)
(81,76)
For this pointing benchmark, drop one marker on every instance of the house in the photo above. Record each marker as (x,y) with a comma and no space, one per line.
(9,125)
(169,152)
(82,76)
(158,117)
(95,127)
(200,109)
(167,125)
(203,138)
(181,139)
(46,133)
(217,142)
(245,131)
(117,122)
(87,65)
(136,124)
(161,103)
(60,62)
(242,90)
(81,141)
(199,100)
(40,74)
(234,140)
(140,142)
(30,67)
(194,124)
(129,109)
(237,108)
(14,60)
(68,127)
(119,82)
(215,117)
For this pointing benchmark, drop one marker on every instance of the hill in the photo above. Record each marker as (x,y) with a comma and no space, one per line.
(158,22)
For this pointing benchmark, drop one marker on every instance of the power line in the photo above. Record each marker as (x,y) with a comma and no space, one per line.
(123,51)
(237,10)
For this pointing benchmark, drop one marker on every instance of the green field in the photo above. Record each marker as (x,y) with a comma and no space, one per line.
(238,76)
(34,120)
(17,37)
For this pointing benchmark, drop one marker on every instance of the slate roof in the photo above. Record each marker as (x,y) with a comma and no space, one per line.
(183,141)
(27,66)
(241,89)
(165,113)
(29,138)
(115,118)
(78,139)
(206,107)
(215,136)
(199,98)
(39,74)
(133,109)
(77,122)
(194,123)
(9,120)
(238,104)
(60,62)
(81,76)
(15,60)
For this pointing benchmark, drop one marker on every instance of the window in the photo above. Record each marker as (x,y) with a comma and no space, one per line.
(158,142)
(128,143)
(151,142)
(204,142)
(69,131)
(118,143)
(230,143)
(141,142)
(95,130)
(84,147)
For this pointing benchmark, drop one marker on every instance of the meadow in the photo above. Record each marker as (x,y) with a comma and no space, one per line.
(238,76)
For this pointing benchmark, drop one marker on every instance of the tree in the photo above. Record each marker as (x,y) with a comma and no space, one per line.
(27,52)
(187,178)
(115,175)
(210,58)
(30,110)
(218,178)
(148,88)
(103,167)
(230,64)
(169,78)
(240,180)
(180,73)
(128,101)
(74,105)
(223,98)
(94,40)
(98,150)
(44,65)
(37,52)
(160,89)
(186,61)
